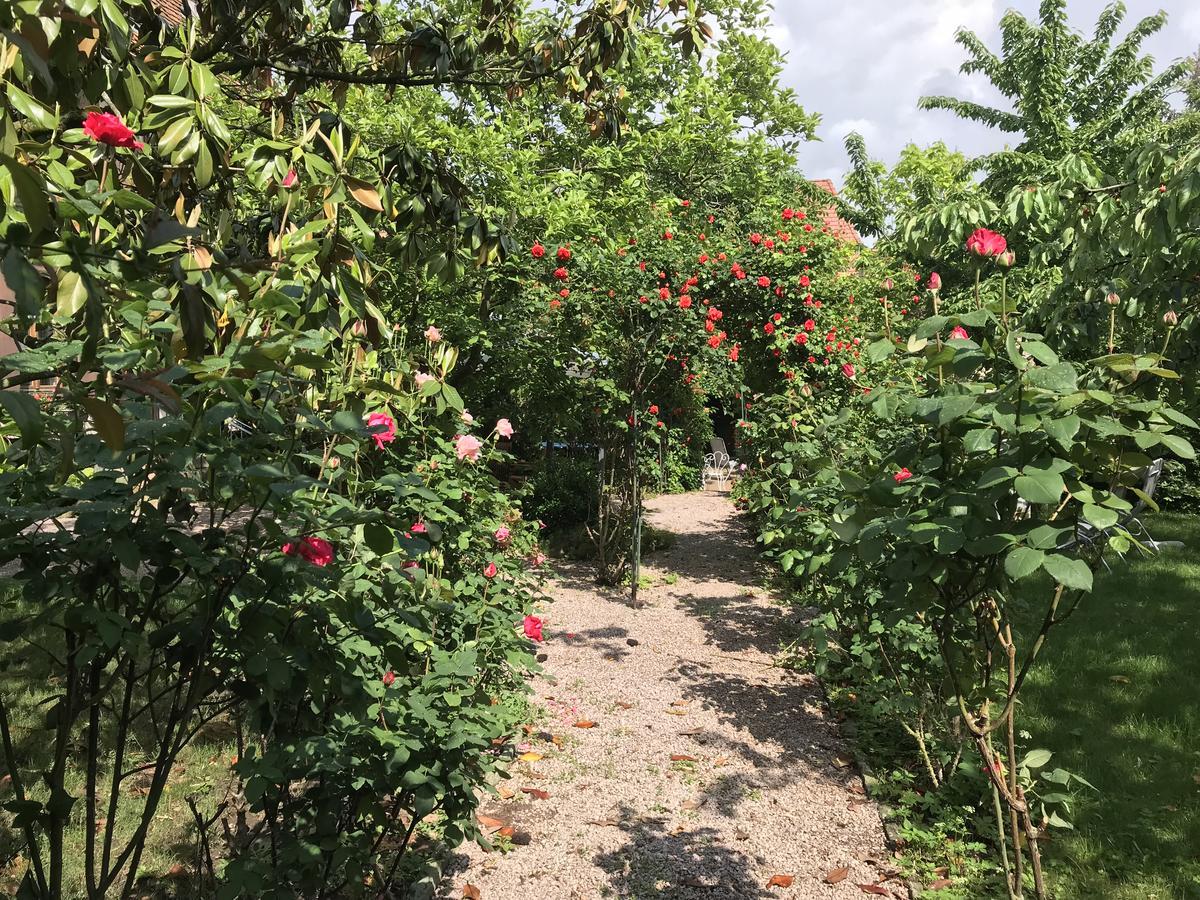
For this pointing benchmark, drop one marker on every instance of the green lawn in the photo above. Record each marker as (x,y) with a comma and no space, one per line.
(1116,696)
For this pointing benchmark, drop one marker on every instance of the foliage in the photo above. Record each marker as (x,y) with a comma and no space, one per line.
(562,492)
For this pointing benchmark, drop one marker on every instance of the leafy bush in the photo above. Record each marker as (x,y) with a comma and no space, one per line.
(562,493)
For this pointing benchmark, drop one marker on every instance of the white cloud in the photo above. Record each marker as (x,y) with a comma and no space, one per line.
(863,65)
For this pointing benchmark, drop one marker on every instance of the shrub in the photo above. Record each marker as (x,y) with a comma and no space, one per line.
(562,493)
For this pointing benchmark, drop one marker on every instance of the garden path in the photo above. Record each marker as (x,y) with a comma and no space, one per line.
(707,772)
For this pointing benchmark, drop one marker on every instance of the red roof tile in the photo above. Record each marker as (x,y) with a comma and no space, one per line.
(838,227)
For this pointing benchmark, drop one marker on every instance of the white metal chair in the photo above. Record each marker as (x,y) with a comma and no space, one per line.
(719,466)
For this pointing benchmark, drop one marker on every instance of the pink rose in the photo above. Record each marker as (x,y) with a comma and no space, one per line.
(504,428)
(311,549)
(902,476)
(935,281)
(501,535)
(983,242)
(467,447)
(489,571)
(290,179)
(389,678)
(107,128)
(960,333)
(467,418)
(848,370)
(432,334)
(421,378)
(533,628)
(418,528)
(387,423)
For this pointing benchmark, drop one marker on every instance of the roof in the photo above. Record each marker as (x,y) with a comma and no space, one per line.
(838,227)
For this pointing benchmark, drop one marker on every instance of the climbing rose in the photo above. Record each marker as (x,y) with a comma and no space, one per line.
(804,281)
(764,281)
(848,370)
(312,549)
(789,214)
(935,281)
(733,352)
(501,535)
(107,128)
(563,254)
(467,418)
(769,328)
(560,273)
(388,434)
(422,377)
(432,334)
(290,179)
(489,571)
(902,476)
(809,325)
(756,238)
(504,428)
(654,409)
(801,337)
(467,447)
(389,678)
(664,293)
(685,302)
(1170,318)
(983,242)
(537,251)
(533,628)
(960,333)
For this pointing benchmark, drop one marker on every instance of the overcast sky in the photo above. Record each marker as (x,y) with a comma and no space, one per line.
(862,64)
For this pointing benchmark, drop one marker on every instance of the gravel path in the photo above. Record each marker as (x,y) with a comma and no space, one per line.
(707,771)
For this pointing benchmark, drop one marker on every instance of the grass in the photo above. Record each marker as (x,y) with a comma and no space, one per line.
(1116,696)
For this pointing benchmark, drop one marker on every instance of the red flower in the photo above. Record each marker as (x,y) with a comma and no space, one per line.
(311,549)
(764,281)
(489,571)
(387,423)
(960,333)
(685,302)
(532,627)
(564,293)
(560,273)
(809,325)
(389,678)
(935,281)
(654,409)
(563,254)
(289,180)
(848,370)
(733,352)
(756,238)
(537,251)
(804,281)
(801,337)
(902,476)
(703,258)
(107,128)
(664,293)
(789,214)
(685,203)
(418,528)
(769,328)
(668,236)
(986,243)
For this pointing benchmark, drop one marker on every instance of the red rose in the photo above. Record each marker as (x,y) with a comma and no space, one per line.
(788,214)
(311,549)
(809,325)
(769,328)
(560,273)
(902,476)
(804,281)
(537,251)
(489,571)
(563,254)
(801,337)
(664,293)
(107,128)
(764,281)
(986,243)
(389,678)
(756,238)
(685,302)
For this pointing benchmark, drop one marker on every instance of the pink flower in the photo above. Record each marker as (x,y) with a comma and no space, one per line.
(467,418)
(501,535)
(504,428)
(290,179)
(533,628)
(902,476)
(389,678)
(432,334)
(537,559)
(418,528)
(467,447)
(489,571)
(107,128)
(983,242)
(960,333)
(848,370)
(935,281)
(387,423)
(311,549)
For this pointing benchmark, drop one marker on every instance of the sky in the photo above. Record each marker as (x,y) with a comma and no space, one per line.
(863,64)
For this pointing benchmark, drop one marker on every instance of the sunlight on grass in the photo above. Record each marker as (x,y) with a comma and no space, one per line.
(1116,697)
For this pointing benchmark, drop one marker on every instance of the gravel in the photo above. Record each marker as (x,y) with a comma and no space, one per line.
(761,786)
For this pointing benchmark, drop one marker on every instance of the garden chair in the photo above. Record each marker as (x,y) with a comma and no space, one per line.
(1130,520)
(718,465)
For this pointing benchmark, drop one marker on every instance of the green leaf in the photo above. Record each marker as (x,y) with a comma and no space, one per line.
(1060,378)
(30,194)
(1074,574)
(1181,447)
(1099,516)
(107,419)
(25,411)
(1023,562)
(1035,759)
(379,537)
(23,280)
(1039,486)
(72,294)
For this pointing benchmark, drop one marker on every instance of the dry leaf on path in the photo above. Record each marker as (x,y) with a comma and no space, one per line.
(721,761)
(741,835)
(490,821)
(530,757)
(691,804)
(683,757)
(585,723)
(875,889)
(680,702)
(624,705)
(536,793)
(690,732)
(470,892)
(781,881)
(842,761)
(837,875)
(506,793)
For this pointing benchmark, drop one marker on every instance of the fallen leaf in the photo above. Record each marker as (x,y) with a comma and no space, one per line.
(1119,679)
(490,821)
(530,757)
(781,881)
(624,705)
(741,835)
(585,723)
(470,892)
(939,884)
(842,761)
(507,831)
(689,732)
(680,702)
(683,757)
(536,793)
(857,788)
(874,889)
(506,793)
(721,761)
(837,875)
(605,823)
(855,804)
(556,740)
